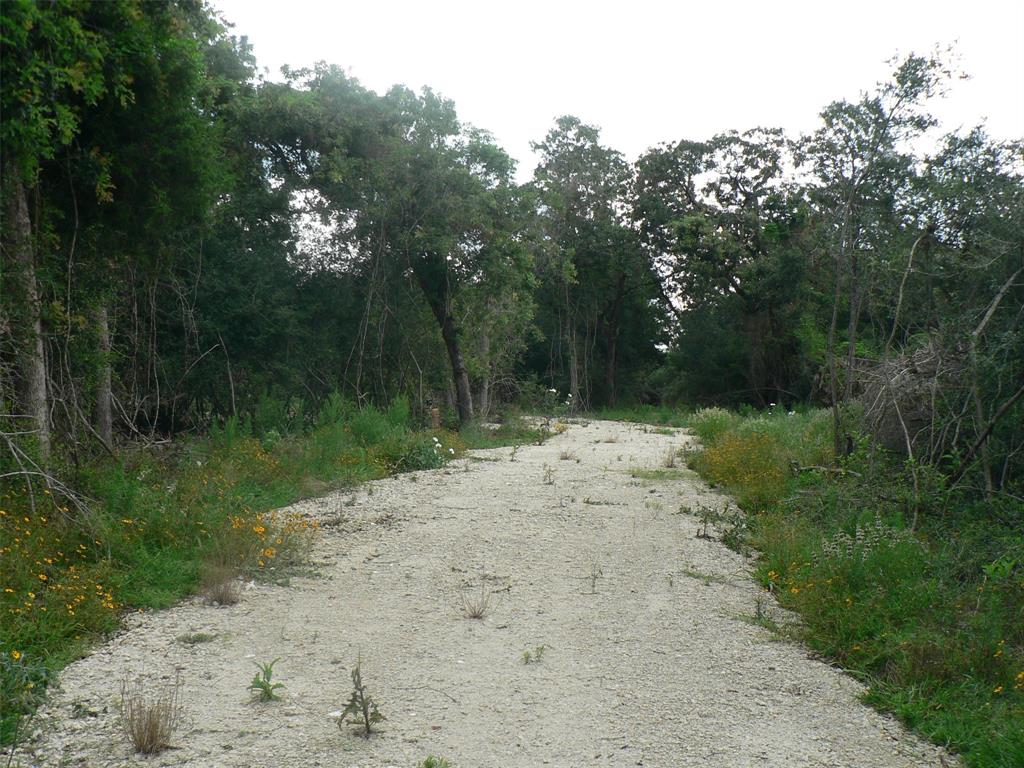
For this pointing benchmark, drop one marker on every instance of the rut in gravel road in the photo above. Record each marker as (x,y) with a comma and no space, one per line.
(650,655)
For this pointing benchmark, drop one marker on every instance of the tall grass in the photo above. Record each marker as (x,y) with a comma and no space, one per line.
(160,522)
(931,619)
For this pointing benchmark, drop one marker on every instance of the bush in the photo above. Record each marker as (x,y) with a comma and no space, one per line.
(709,423)
(370,427)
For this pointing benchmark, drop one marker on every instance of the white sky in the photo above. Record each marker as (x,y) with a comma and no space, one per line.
(644,71)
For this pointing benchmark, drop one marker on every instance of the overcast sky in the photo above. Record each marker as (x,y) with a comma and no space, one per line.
(642,71)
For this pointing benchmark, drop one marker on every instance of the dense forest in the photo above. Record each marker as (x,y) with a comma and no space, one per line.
(183,239)
(186,243)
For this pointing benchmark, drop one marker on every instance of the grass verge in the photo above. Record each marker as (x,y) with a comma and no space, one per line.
(159,526)
(931,619)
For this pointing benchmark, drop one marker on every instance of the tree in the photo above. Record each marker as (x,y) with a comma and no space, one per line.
(594,277)
(852,155)
(725,227)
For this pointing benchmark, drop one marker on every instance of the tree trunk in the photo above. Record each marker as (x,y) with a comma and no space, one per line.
(437,298)
(611,355)
(574,368)
(483,403)
(463,394)
(102,414)
(27,325)
(851,327)
(612,329)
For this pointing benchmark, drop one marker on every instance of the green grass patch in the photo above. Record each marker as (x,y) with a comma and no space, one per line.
(654,474)
(932,619)
(513,429)
(658,415)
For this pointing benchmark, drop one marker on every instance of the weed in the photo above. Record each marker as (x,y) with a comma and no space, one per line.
(568,455)
(476,604)
(707,578)
(262,684)
(150,717)
(653,474)
(361,709)
(549,475)
(731,522)
(535,656)
(196,638)
(706,515)
(219,584)
(22,687)
(669,462)
(435,762)
(595,573)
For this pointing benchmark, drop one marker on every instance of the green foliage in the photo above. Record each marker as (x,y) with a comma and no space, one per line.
(435,762)
(666,415)
(535,656)
(369,427)
(929,618)
(262,684)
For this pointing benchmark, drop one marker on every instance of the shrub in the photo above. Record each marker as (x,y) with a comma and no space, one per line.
(370,427)
(709,423)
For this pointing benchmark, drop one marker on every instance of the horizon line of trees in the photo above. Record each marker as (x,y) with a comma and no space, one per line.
(184,241)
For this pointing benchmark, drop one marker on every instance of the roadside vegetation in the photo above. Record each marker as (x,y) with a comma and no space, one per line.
(919,594)
(160,523)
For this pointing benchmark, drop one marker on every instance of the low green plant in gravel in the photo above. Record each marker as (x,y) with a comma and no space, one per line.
(262,686)
(535,656)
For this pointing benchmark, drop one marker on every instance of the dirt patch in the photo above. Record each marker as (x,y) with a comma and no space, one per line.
(648,659)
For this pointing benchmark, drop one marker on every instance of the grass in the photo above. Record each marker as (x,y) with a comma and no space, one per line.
(659,415)
(662,473)
(150,716)
(512,431)
(163,524)
(931,619)
(475,605)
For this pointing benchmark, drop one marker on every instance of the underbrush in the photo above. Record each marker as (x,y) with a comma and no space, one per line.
(930,617)
(512,429)
(157,526)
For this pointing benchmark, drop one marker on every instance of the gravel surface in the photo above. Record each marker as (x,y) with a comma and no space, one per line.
(650,655)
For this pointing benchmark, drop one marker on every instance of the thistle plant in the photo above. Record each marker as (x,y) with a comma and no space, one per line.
(361,709)
(262,686)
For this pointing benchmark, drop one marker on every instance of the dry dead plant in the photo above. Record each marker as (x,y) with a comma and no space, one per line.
(150,715)
(473,604)
(219,583)
(669,462)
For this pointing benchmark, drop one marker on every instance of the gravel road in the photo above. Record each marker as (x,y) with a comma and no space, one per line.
(650,654)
